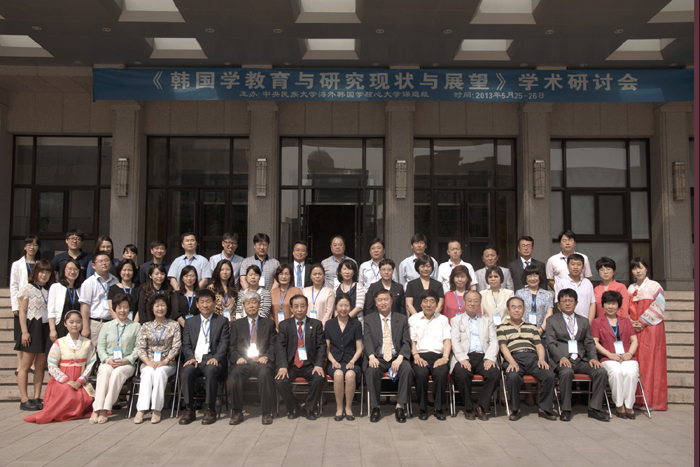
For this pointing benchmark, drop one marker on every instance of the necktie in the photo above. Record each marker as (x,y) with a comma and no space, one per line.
(300,344)
(299,285)
(387,341)
(574,356)
(254,333)
(527,263)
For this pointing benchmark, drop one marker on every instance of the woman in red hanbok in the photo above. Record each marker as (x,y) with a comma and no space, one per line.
(647,304)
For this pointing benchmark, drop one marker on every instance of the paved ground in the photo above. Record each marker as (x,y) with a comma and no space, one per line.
(667,439)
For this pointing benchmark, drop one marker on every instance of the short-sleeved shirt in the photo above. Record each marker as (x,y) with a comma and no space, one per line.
(134,292)
(415,288)
(268,267)
(94,292)
(614,286)
(369,274)
(584,290)
(83,260)
(445,270)
(343,343)
(235,264)
(516,338)
(600,328)
(330,266)
(429,334)
(199,262)
(407,271)
(557,266)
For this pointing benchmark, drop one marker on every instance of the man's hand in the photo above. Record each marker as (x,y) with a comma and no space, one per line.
(488,364)
(595,364)
(373,362)
(441,361)
(85,332)
(565,362)
(282,373)
(212,361)
(241,361)
(319,371)
(419,361)
(262,360)
(543,365)
(512,367)
(191,362)
(467,365)
(396,364)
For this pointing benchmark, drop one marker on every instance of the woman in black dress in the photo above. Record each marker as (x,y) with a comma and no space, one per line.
(424,267)
(157,283)
(126,272)
(182,302)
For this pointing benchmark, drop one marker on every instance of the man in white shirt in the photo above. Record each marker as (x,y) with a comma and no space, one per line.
(94,305)
(490,258)
(454,250)
(585,307)
(431,346)
(190,258)
(407,268)
(330,264)
(556,264)
(302,269)
(229,245)
(369,270)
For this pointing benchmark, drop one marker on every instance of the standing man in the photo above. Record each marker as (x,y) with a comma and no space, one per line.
(454,250)
(94,306)
(74,241)
(387,271)
(251,352)
(585,294)
(490,258)
(369,270)
(205,341)
(407,268)
(387,347)
(267,265)
(330,264)
(517,266)
(301,353)
(572,350)
(556,264)
(302,271)
(190,258)
(229,244)
(158,251)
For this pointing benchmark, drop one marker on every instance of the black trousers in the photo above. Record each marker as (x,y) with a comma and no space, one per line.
(464,377)
(599,380)
(373,376)
(439,374)
(211,374)
(239,374)
(316,384)
(527,362)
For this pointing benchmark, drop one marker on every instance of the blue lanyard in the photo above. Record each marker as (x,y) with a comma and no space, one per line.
(261,264)
(206,333)
(335,263)
(255,326)
(103,286)
(72,296)
(131,287)
(534,304)
(282,299)
(189,261)
(459,302)
(313,300)
(572,333)
(371,265)
(189,301)
(156,336)
(119,336)
(349,290)
(226,300)
(28,265)
(46,299)
(617,328)
(230,260)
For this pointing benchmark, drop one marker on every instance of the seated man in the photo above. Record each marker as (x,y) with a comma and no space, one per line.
(204,346)
(301,353)
(572,350)
(475,350)
(387,344)
(252,353)
(431,346)
(524,354)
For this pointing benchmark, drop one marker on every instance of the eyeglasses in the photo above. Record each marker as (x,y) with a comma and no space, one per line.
(230,243)
(567,300)
(102,261)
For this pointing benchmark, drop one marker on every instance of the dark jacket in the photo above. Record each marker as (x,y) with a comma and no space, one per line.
(516,271)
(374,335)
(218,338)
(240,340)
(314,342)
(557,337)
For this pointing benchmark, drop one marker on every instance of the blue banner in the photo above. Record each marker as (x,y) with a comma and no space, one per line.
(394,85)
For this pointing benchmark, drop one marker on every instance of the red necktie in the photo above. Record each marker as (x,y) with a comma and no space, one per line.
(300,344)
(254,330)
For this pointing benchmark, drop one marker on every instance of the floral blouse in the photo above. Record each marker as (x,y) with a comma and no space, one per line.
(167,333)
(543,302)
(37,302)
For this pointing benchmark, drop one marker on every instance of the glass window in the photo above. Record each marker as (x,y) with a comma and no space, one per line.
(583,214)
(331,162)
(506,167)
(82,210)
(421,162)
(449,214)
(638,164)
(463,163)
(640,214)
(290,162)
(618,252)
(49,213)
(24,154)
(374,154)
(374,214)
(22,211)
(555,160)
(105,200)
(506,228)
(183,204)
(106,162)
(596,164)
(157,161)
(67,161)
(557,213)
(241,154)
(611,218)
(199,161)
(479,212)
(156,217)
(421,213)
(213,207)
(239,219)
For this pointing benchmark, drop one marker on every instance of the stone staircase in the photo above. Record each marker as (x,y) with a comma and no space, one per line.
(680,339)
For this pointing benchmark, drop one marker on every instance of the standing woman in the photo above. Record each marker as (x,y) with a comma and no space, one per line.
(126,272)
(344,342)
(156,283)
(606,270)
(347,275)
(252,279)
(131,252)
(64,296)
(536,299)
(424,267)
(71,358)
(19,277)
(105,244)
(158,347)
(182,302)
(223,284)
(460,283)
(494,299)
(283,294)
(33,301)
(321,298)
(647,304)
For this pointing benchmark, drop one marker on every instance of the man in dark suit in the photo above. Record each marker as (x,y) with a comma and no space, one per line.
(386,271)
(572,350)
(301,265)
(204,345)
(301,353)
(517,266)
(252,353)
(392,329)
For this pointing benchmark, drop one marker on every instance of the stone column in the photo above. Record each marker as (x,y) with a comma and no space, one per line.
(127,217)
(5,194)
(534,214)
(398,212)
(671,229)
(263,211)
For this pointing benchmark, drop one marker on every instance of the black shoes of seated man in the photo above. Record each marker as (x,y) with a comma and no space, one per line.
(301,411)
(515,416)
(375,415)
(423,415)
(236,418)
(400,415)
(547,415)
(599,415)
(565,416)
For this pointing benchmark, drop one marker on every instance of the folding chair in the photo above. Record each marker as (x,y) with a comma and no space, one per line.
(172,382)
(359,389)
(384,393)
(300,383)
(527,379)
(608,390)
(480,384)
(582,378)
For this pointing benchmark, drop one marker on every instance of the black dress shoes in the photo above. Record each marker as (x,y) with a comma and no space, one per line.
(209,416)
(440,415)
(514,416)
(423,415)
(266,419)
(481,415)
(293,414)
(598,415)
(188,417)
(469,414)
(310,415)
(375,415)
(236,418)
(547,415)
(565,416)
(29,405)
(400,415)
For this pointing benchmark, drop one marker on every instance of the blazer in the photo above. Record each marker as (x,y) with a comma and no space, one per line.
(516,271)
(218,338)
(19,277)
(314,342)
(557,337)
(239,342)
(374,335)
(461,339)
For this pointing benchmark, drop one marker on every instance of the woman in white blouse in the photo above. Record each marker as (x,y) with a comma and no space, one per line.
(494,299)
(64,296)
(321,298)
(19,275)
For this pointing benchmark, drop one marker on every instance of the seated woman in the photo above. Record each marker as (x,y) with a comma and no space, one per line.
(282,295)
(616,343)
(156,283)
(494,299)
(223,284)
(116,348)
(344,341)
(158,347)
(460,282)
(414,289)
(68,395)
(126,273)
(347,276)
(252,277)
(606,270)
(321,298)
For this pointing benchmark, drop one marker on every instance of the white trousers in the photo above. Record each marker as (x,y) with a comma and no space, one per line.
(623,377)
(109,385)
(152,388)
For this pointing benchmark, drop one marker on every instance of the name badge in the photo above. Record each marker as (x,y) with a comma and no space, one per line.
(131,316)
(336,283)
(312,314)
(227,315)
(497,319)
(105,304)
(280,316)
(533,318)
(573,347)
(392,374)
(302,354)
(157,356)
(188,316)
(262,281)
(253,350)
(117,355)
(619,348)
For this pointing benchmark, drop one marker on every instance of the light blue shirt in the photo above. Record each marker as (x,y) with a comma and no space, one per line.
(474,341)
(235,264)
(199,262)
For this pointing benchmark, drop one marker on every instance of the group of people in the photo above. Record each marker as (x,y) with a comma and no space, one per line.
(228,318)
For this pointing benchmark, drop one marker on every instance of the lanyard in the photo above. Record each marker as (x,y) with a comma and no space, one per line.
(230,260)
(495,299)
(103,286)
(255,326)
(349,290)
(226,300)
(156,336)
(46,299)
(534,303)
(72,294)
(261,264)
(371,265)
(301,336)
(460,302)
(206,333)
(335,263)
(131,287)
(189,301)
(313,300)
(282,299)
(28,265)
(616,329)
(119,336)
(189,261)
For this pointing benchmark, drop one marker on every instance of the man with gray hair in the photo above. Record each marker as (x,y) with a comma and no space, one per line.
(251,353)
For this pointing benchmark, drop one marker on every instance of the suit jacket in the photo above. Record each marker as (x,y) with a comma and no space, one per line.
(516,271)
(557,337)
(374,335)
(461,339)
(240,340)
(218,338)
(397,295)
(314,341)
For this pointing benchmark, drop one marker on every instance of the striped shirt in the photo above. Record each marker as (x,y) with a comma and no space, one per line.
(330,266)
(523,337)
(267,267)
